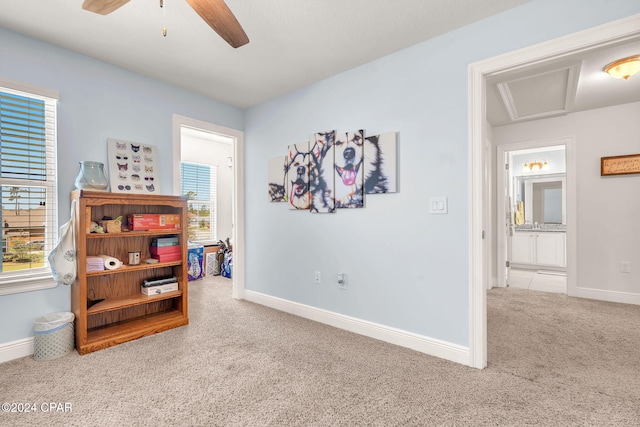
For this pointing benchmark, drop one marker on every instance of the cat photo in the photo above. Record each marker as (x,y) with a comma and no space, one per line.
(127,156)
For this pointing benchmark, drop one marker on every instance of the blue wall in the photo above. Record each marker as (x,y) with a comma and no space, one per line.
(407,269)
(97,101)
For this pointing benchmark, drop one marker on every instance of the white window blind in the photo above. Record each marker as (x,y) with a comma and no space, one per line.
(27,188)
(199,183)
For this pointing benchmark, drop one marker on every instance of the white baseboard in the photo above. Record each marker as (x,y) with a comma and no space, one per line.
(433,347)
(611,296)
(16,349)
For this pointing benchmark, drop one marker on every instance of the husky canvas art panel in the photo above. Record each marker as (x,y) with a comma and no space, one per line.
(321,175)
(298,190)
(277,175)
(349,155)
(380,163)
(333,170)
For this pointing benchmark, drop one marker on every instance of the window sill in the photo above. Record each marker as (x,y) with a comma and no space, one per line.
(27,285)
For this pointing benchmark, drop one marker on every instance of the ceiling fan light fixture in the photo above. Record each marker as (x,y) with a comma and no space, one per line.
(624,68)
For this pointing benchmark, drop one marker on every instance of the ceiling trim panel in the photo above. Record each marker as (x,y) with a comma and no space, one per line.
(528,98)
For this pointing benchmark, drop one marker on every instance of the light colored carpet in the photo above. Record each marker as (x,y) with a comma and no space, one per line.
(553,360)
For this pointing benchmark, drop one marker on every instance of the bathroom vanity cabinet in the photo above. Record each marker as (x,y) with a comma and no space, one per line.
(539,248)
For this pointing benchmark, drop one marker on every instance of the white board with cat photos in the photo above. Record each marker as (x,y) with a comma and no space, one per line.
(133,167)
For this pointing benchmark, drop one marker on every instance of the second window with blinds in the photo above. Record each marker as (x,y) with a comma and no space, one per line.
(199,184)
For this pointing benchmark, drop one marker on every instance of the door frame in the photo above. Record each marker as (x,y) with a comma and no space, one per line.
(238,188)
(599,36)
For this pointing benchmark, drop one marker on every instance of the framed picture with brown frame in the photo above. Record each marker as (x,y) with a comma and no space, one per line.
(620,165)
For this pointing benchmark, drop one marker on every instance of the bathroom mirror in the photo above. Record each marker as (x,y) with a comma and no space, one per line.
(545,200)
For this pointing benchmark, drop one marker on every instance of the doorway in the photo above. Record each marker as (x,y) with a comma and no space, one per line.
(220,216)
(479,132)
(532,182)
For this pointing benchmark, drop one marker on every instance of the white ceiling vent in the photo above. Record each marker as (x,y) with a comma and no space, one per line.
(546,94)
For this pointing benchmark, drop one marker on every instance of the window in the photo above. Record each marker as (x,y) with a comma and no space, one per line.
(27,186)
(199,184)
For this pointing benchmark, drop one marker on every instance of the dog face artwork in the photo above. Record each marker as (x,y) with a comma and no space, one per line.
(321,175)
(348,169)
(335,170)
(298,190)
(277,177)
(380,157)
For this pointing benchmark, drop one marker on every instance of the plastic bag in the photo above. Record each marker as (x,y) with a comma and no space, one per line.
(52,322)
(62,258)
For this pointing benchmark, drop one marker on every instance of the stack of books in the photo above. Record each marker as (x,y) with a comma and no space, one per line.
(166,249)
(159,285)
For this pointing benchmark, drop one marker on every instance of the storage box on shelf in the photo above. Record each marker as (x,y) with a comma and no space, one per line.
(123,312)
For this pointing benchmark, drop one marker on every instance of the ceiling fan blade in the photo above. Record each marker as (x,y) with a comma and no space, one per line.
(103,7)
(217,14)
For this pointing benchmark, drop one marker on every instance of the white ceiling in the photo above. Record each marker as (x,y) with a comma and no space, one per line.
(294,43)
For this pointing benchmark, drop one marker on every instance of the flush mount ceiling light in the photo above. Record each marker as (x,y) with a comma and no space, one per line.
(624,68)
(535,166)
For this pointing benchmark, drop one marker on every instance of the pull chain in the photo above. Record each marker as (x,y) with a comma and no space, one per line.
(164,29)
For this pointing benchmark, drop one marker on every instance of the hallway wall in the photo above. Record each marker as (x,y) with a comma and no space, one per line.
(607,224)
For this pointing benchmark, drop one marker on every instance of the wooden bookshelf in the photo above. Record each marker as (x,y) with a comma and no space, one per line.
(125,314)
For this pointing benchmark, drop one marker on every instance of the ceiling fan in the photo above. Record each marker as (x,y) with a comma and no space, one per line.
(214,12)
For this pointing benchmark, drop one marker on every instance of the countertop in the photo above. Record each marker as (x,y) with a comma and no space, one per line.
(544,228)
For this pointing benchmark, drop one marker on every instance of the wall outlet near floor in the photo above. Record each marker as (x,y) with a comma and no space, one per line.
(317,277)
(625,267)
(342,280)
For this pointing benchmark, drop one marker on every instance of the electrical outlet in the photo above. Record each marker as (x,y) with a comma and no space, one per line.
(317,277)
(342,280)
(625,267)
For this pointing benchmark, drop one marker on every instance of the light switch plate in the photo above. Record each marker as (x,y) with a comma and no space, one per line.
(438,205)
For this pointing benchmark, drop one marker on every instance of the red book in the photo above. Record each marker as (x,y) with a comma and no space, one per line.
(168,257)
(165,250)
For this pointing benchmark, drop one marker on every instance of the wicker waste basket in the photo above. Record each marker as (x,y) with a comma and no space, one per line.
(53,335)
